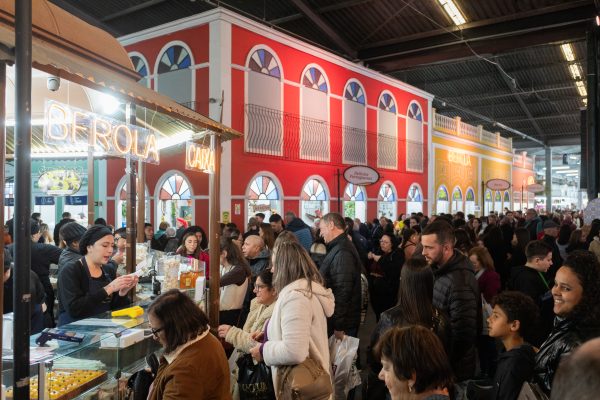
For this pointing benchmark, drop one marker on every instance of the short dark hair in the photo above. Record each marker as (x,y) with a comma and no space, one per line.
(337,219)
(416,350)
(266,276)
(442,229)
(66,214)
(519,307)
(261,215)
(537,248)
(36,215)
(275,218)
(122,232)
(100,221)
(147,224)
(91,236)
(181,319)
(577,375)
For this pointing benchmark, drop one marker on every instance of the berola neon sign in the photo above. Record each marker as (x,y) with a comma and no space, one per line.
(69,126)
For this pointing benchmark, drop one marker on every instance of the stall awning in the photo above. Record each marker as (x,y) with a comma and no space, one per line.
(69,48)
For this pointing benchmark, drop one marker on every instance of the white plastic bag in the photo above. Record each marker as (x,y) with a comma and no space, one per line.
(343,354)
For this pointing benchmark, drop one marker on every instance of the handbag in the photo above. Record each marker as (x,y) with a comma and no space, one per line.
(255,381)
(139,383)
(531,391)
(307,380)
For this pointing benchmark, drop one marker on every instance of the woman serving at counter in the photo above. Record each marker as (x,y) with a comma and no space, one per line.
(89,287)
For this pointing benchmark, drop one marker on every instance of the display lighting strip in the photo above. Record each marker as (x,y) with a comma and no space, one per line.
(575,70)
(453,11)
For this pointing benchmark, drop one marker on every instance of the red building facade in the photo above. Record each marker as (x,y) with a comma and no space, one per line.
(306,115)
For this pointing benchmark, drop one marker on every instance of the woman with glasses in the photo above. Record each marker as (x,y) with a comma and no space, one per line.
(384,274)
(261,308)
(193,366)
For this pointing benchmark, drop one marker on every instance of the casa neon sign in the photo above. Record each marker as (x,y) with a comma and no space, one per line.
(68,126)
(199,158)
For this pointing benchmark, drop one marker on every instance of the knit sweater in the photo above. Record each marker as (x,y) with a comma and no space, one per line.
(259,314)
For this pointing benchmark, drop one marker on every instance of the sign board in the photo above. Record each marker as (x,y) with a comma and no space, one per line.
(199,158)
(498,184)
(60,182)
(535,188)
(225,217)
(44,200)
(361,175)
(70,127)
(9,201)
(76,200)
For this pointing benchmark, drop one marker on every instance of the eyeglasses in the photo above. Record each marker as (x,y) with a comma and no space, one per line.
(155,332)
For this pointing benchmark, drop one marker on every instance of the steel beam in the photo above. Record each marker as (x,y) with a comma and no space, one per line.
(340,5)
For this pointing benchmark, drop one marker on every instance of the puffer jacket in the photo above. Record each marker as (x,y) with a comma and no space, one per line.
(564,337)
(341,269)
(68,256)
(258,264)
(456,292)
(394,317)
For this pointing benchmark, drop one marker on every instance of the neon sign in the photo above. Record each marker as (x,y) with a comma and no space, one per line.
(69,126)
(199,158)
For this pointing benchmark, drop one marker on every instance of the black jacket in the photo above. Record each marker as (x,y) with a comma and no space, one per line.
(528,281)
(341,270)
(456,292)
(565,337)
(68,256)
(384,289)
(556,257)
(59,225)
(74,296)
(394,317)
(514,368)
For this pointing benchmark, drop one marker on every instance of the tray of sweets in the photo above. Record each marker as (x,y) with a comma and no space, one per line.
(65,384)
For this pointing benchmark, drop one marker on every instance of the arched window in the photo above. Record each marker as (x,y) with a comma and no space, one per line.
(470,202)
(414,138)
(507,200)
(264,103)
(387,132)
(121,204)
(414,199)
(355,202)
(175,200)
(354,121)
(141,67)
(314,124)
(386,202)
(174,76)
(314,201)
(488,202)
(498,202)
(443,201)
(457,200)
(263,196)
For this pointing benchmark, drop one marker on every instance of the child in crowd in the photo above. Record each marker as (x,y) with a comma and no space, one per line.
(513,321)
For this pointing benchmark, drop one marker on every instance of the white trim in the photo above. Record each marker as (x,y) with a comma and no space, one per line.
(239,67)
(321,181)
(292,83)
(219,84)
(523,169)
(370,107)
(149,76)
(281,93)
(430,161)
(336,96)
(200,66)
(275,180)
(292,198)
(157,63)
(327,94)
(201,197)
(364,128)
(237,197)
(269,33)
(481,146)
(161,181)
(395,166)
(422,169)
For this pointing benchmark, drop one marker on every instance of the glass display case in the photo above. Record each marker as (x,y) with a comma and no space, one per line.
(89,369)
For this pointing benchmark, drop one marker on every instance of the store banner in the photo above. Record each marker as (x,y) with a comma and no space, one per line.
(44,200)
(74,129)
(76,200)
(9,201)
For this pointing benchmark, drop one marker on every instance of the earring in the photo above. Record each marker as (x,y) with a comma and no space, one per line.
(410,388)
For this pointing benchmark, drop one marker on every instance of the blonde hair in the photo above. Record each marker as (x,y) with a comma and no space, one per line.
(291,262)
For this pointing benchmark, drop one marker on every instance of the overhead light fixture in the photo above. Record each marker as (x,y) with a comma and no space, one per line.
(453,11)
(597,20)
(581,88)
(560,167)
(567,51)
(576,71)
(585,101)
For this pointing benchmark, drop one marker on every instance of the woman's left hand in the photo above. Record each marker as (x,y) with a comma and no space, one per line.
(133,281)
(255,353)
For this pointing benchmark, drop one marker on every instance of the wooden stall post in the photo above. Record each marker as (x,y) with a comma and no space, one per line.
(2,179)
(214,233)
(141,203)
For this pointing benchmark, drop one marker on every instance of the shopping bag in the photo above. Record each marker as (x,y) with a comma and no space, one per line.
(254,380)
(343,354)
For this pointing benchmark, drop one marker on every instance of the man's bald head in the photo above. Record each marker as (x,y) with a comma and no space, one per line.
(577,375)
(252,246)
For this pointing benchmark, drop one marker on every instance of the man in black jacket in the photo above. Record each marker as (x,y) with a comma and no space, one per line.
(551,229)
(66,218)
(455,292)
(341,269)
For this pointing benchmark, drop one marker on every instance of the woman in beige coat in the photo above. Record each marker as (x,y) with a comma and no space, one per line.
(261,309)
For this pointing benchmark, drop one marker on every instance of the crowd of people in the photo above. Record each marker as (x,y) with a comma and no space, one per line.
(465,306)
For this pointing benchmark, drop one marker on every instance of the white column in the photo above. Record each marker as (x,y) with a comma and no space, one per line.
(219,53)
